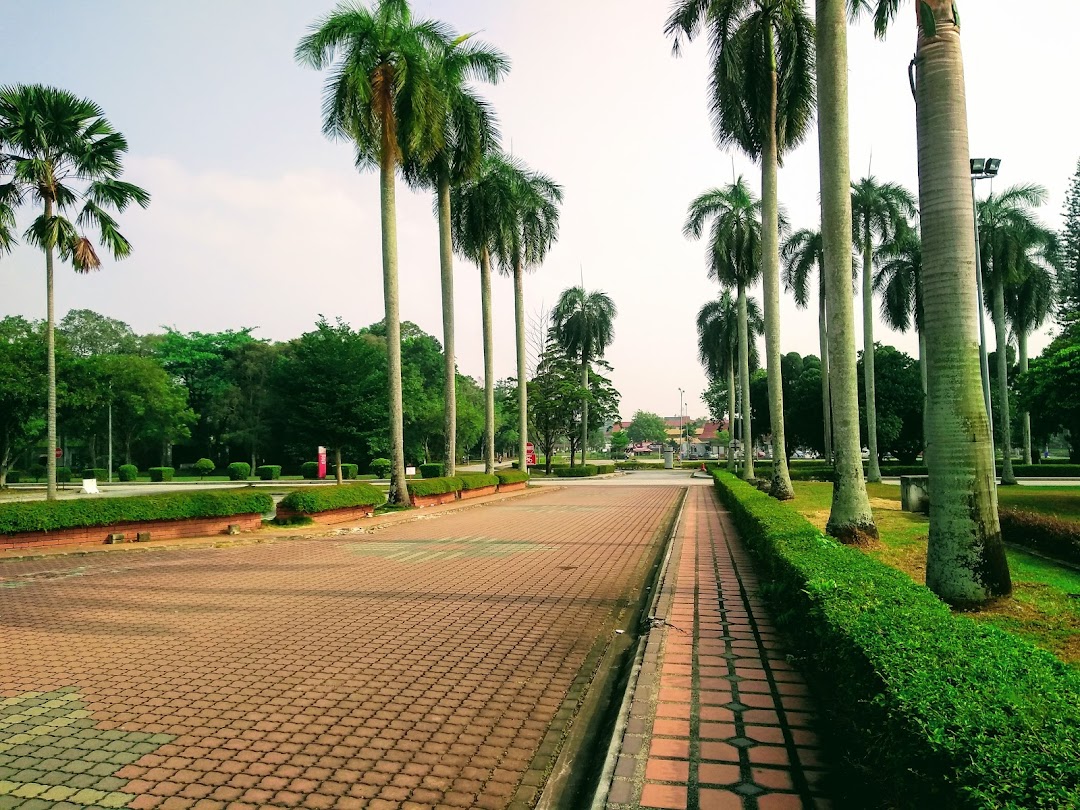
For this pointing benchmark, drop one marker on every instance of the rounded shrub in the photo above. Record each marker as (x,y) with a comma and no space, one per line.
(310,470)
(203,467)
(381,467)
(432,470)
(161,473)
(269,472)
(348,471)
(95,472)
(128,472)
(64,475)
(239,471)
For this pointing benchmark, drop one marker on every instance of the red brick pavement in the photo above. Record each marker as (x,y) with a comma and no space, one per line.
(719,717)
(431,664)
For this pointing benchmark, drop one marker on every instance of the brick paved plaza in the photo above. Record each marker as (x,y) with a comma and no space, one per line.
(430,663)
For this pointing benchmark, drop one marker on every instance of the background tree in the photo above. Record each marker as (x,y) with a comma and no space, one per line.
(61,154)
(647,427)
(850,518)
(619,442)
(584,325)
(148,405)
(879,211)
(900,414)
(603,408)
(88,333)
(734,259)
(383,95)
(467,131)
(22,389)
(803,253)
(1068,277)
(246,403)
(1051,386)
(966,561)
(762,101)
(556,393)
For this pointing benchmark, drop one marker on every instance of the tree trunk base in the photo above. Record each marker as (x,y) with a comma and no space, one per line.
(853,534)
(781,489)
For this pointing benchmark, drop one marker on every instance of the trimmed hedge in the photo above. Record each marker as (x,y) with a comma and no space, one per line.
(434,486)
(380,467)
(1045,534)
(580,471)
(64,475)
(161,473)
(239,471)
(311,500)
(31,516)
(432,470)
(928,708)
(128,472)
(348,471)
(269,472)
(310,470)
(477,480)
(95,472)
(511,476)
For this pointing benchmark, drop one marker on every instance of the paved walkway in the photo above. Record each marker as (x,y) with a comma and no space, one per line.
(719,718)
(430,664)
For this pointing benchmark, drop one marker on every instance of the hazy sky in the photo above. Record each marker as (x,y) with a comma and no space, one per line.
(258,221)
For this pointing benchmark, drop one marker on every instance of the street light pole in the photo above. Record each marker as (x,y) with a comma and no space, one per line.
(682,425)
(110,435)
(980,170)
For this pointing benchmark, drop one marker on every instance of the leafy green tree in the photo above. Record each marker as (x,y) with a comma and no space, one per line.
(647,427)
(734,259)
(245,406)
(619,442)
(385,96)
(470,415)
(1068,277)
(22,389)
(900,414)
(850,518)
(1051,385)
(467,132)
(148,405)
(879,212)
(966,561)
(761,101)
(584,325)
(1012,244)
(59,153)
(805,419)
(506,427)
(556,393)
(88,333)
(602,401)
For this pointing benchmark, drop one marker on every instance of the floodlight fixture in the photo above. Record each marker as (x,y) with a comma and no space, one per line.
(978,165)
(992,166)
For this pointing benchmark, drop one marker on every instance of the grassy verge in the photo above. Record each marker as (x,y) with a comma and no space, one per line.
(1045,609)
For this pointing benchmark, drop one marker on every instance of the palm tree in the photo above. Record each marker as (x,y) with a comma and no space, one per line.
(966,561)
(384,94)
(878,210)
(850,518)
(584,325)
(532,228)
(1028,304)
(1009,234)
(762,101)
(718,350)
(481,212)
(734,259)
(899,282)
(803,253)
(60,153)
(468,132)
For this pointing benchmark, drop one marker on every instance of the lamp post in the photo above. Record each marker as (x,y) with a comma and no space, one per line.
(981,169)
(110,434)
(682,424)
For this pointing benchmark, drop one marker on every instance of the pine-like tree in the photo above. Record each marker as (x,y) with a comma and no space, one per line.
(1069,276)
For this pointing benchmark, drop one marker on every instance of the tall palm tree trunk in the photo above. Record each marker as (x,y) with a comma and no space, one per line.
(922,374)
(770,288)
(823,343)
(1025,416)
(489,363)
(584,406)
(1001,334)
(965,556)
(446,268)
(50,350)
(850,519)
(731,414)
(874,467)
(744,384)
(399,493)
(522,371)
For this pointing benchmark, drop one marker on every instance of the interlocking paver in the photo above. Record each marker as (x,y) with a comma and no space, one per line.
(429,663)
(719,717)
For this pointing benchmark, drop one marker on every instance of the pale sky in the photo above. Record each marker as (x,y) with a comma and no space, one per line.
(258,221)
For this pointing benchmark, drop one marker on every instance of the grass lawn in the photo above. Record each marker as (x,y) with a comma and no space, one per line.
(1045,608)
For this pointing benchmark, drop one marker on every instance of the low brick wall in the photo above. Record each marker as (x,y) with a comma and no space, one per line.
(159,530)
(420,501)
(466,494)
(513,487)
(332,517)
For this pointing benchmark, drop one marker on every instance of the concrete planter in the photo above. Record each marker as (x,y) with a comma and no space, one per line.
(157,529)
(915,493)
(466,494)
(420,501)
(513,487)
(331,517)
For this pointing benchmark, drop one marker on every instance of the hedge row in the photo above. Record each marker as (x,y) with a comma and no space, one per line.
(269,472)
(580,471)
(311,500)
(432,470)
(511,476)
(31,516)
(1042,533)
(161,473)
(477,480)
(434,486)
(929,709)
